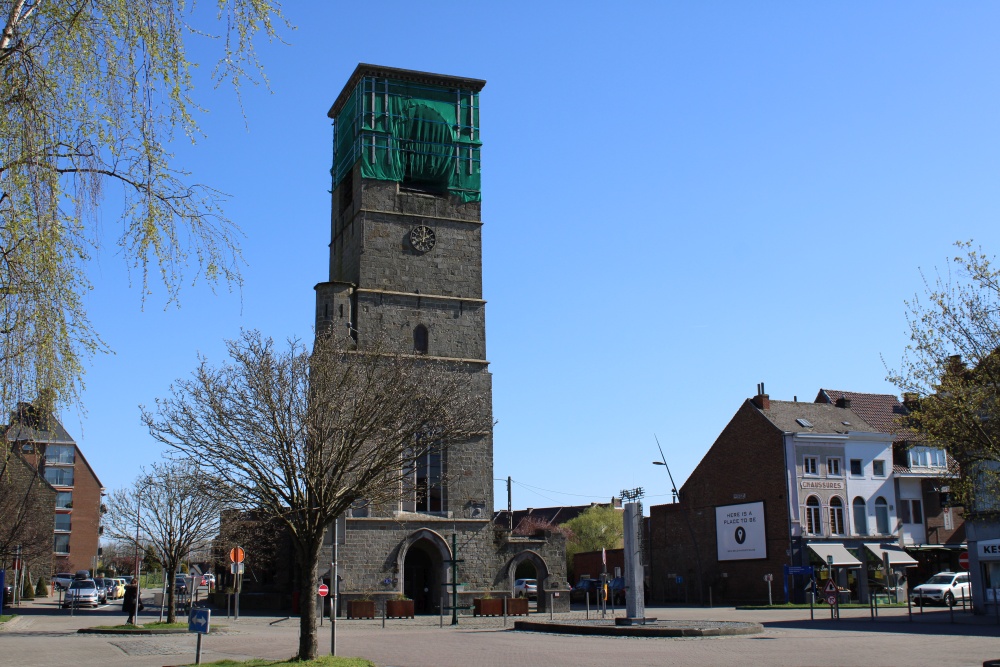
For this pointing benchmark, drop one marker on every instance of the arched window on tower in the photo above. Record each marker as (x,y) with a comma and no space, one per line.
(420,339)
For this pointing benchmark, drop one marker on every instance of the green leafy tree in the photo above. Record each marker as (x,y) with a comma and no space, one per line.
(599,527)
(950,373)
(93,93)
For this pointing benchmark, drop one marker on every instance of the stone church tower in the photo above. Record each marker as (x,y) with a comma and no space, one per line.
(406,260)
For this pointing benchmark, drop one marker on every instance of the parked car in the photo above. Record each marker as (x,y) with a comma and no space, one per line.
(8,595)
(127,578)
(526,588)
(180,584)
(943,587)
(102,590)
(82,592)
(208,579)
(62,580)
(592,587)
(119,588)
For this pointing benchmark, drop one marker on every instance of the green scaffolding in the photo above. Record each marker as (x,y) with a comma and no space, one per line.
(424,136)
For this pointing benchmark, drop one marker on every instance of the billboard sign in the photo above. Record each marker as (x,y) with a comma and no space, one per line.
(739,531)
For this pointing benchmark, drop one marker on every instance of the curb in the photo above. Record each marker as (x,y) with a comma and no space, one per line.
(639,631)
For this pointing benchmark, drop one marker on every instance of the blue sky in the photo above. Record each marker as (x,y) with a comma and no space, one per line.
(680,200)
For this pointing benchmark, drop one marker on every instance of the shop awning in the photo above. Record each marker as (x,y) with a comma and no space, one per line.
(841,556)
(897,557)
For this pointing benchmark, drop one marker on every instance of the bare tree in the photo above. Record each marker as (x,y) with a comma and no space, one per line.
(26,503)
(168,508)
(303,436)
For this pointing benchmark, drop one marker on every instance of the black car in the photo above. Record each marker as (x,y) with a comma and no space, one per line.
(8,595)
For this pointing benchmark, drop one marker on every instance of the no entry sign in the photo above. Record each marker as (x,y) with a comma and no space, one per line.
(963,560)
(323,590)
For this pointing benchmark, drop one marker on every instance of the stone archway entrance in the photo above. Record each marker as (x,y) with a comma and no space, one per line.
(422,568)
(541,575)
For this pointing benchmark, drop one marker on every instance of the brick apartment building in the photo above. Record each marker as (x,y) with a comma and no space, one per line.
(27,507)
(785,483)
(45,444)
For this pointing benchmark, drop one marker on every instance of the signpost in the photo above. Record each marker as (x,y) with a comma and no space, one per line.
(769,578)
(323,590)
(200,622)
(830,590)
(236,555)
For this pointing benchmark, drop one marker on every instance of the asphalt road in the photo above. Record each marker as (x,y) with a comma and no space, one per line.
(790,638)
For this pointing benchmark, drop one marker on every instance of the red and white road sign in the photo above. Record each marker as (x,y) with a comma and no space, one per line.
(830,587)
(963,560)
(323,590)
(236,554)
(831,599)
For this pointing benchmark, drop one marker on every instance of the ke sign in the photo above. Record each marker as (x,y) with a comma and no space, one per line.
(988,550)
(739,530)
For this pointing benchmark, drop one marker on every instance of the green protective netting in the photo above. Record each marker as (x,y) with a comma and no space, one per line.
(422,135)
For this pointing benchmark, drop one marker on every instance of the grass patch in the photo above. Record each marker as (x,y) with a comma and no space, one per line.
(155,625)
(6,617)
(323,661)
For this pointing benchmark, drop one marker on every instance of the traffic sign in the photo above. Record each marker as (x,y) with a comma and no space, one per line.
(831,599)
(963,560)
(830,588)
(237,568)
(200,620)
(236,554)
(323,590)
(768,577)
(798,569)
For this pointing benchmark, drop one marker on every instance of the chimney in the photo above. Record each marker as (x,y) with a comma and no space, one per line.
(762,400)
(911,400)
(844,402)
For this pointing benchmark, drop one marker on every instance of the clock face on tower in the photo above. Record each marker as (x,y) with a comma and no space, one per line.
(422,238)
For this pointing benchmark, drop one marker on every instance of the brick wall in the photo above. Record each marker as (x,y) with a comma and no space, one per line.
(745,464)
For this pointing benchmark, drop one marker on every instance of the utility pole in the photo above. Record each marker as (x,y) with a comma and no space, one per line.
(510,511)
(453,562)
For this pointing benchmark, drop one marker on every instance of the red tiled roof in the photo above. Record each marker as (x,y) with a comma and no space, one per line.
(883,411)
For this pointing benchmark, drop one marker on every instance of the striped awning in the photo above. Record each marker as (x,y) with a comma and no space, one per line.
(897,557)
(841,556)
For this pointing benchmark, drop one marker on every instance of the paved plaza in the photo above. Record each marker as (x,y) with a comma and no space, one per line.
(45,635)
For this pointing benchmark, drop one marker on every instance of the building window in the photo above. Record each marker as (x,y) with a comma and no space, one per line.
(63,522)
(420,339)
(809,466)
(927,457)
(64,500)
(878,468)
(59,476)
(857,468)
(881,516)
(860,516)
(911,511)
(61,544)
(813,525)
(60,454)
(836,516)
(833,467)
(424,478)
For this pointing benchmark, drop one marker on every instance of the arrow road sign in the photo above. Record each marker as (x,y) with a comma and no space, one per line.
(200,621)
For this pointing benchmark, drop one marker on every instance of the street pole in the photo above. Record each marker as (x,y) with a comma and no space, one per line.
(334,586)
(454,579)
(687,520)
(138,520)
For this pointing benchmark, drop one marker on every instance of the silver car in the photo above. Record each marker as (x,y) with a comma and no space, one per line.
(81,593)
(943,587)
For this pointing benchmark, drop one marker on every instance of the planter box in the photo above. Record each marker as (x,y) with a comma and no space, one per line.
(487,607)
(361,609)
(517,606)
(399,608)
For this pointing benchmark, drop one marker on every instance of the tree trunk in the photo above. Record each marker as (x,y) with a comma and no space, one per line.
(171,601)
(308,555)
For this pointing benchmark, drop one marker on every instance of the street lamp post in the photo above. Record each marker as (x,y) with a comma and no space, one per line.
(687,520)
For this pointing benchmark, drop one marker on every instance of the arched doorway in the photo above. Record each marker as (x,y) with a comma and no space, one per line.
(422,568)
(525,563)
